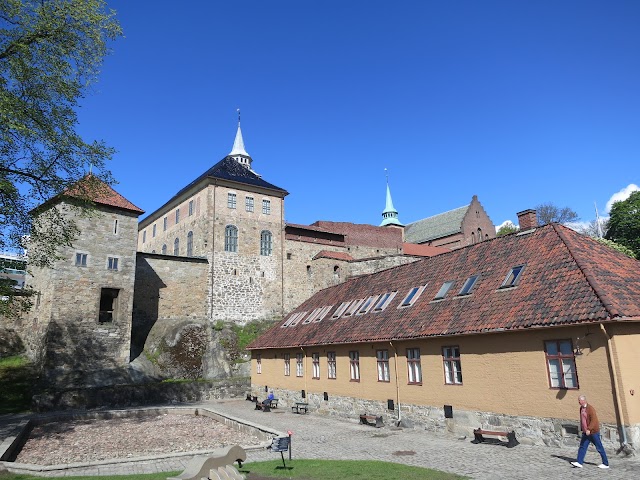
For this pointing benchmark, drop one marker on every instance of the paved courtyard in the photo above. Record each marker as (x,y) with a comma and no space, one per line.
(317,436)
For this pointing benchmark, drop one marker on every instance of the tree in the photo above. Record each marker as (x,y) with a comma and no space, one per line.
(50,55)
(616,246)
(549,213)
(595,228)
(624,223)
(507,228)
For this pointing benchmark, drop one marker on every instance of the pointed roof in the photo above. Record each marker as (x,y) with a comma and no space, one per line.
(91,188)
(567,279)
(390,214)
(238,144)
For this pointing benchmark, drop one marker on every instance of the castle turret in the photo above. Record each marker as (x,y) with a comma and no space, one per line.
(390,214)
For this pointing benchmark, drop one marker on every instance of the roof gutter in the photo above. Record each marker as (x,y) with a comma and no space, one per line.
(616,389)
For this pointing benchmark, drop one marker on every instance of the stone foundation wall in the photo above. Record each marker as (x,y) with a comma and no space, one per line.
(529,430)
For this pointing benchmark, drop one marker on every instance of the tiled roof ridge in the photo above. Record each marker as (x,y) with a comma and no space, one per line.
(99,192)
(600,293)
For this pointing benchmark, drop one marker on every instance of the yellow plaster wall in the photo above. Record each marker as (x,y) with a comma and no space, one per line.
(626,348)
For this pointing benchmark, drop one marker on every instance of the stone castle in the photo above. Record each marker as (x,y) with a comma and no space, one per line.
(218,252)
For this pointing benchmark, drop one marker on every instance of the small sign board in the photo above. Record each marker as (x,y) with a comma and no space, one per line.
(280,444)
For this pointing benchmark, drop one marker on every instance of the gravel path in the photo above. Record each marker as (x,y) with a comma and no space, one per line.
(92,440)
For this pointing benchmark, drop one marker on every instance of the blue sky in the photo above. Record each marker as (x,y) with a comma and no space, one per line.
(518,102)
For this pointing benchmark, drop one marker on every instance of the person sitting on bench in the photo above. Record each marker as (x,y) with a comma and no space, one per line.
(266,402)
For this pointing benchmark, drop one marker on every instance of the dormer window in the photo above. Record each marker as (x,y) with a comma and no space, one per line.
(384,301)
(468,285)
(513,277)
(444,289)
(412,296)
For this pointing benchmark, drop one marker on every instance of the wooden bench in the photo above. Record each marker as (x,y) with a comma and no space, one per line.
(251,398)
(300,407)
(478,433)
(373,420)
(267,405)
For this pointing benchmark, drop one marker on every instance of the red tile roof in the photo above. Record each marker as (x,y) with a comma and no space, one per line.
(336,255)
(567,279)
(423,250)
(365,235)
(93,189)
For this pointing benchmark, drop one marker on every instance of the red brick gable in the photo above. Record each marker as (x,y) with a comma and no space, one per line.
(365,235)
(335,255)
(423,250)
(567,279)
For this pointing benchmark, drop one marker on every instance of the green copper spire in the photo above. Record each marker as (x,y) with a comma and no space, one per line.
(390,214)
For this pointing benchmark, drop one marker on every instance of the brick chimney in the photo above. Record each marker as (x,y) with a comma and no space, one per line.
(527,219)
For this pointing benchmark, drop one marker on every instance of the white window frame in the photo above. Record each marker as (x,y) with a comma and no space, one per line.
(354,365)
(331,365)
(452,365)
(81,259)
(232,200)
(411,297)
(414,366)
(382,365)
(266,207)
(315,362)
(299,365)
(287,364)
(248,204)
(384,301)
(112,263)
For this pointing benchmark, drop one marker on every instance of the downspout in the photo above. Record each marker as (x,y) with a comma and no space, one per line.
(283,240)
(616,388)
(304,369)
(395,367)
(213,251)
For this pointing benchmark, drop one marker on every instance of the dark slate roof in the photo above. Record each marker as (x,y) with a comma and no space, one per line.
(567,279)
(438,226)
(229,169)
(93,189)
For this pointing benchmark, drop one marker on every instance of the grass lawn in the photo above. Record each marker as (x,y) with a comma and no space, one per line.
(17,377)
(302,469)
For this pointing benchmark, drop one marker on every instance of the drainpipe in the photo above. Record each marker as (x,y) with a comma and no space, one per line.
(395,367)
(304,369)
(616,389)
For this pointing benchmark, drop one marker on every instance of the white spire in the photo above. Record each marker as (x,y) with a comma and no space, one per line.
(238,152)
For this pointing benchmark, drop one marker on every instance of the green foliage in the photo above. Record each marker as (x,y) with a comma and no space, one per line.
(344,470)
(50,55)
(549,213)
(249,332)
(624,223)
(506,229)
(17,377)
(616,246)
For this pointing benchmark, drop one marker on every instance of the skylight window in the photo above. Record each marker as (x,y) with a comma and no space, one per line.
(468,285)
(353,307)
(323,313)
(412,296)
(289,320)
(368,303)
(384,301)
(338,313)
(312,315)
(444,289)
(513,277)
(300,316)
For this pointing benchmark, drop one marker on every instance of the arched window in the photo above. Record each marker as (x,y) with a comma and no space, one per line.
(164,249)
(176,246)
(231,238)
(473,237)
(190,244)
(336,271)
(479,234)
(265,243)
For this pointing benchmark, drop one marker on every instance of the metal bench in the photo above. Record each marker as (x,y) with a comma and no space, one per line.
(300,407)
(267,405)
(373,420)
(478,433)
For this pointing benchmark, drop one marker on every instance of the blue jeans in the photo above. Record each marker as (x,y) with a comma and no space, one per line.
(584,445)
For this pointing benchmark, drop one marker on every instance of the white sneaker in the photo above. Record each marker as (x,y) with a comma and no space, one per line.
(576,464)
(602,465)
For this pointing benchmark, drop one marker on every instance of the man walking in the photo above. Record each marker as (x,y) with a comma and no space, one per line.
(590,433)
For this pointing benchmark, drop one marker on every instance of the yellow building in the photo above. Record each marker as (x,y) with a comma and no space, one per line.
(503,334)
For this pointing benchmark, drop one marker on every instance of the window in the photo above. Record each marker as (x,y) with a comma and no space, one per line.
(512,277)
(190,244)
(176,246)
(383,301)
(81,259)
(164,249)
(144,236)
(108,305)
(331,365)
(231,238)
(265,243)
(248,204)
(353,307)
(190,207)
(298,316)
(112,263)
(231,200)
(177,215)
(444,289)
(315,359)
(468,285)
(299,365)
(367,304)
(452,368)
(287,364)
(412,296)
(414,369)
(354,366)
(382,357)
(561,364)
(153,231)
(164,224)
(338,313)
(115,226)
(258,363)
(312,316)
(266,207)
